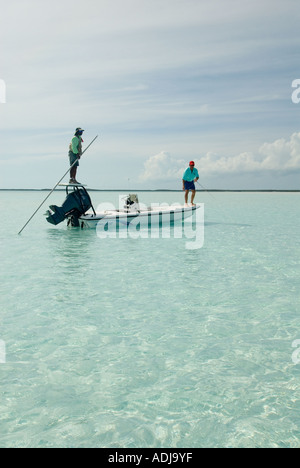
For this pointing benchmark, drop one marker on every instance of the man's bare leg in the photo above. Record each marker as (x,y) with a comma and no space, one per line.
(193,197)
(186,196)
(73,172)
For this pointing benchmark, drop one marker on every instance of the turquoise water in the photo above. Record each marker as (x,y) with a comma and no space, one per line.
(143,343)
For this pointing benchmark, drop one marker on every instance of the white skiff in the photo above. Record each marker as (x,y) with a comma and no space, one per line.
(154,216)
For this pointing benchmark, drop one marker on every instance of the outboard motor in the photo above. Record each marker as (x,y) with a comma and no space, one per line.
(75,205)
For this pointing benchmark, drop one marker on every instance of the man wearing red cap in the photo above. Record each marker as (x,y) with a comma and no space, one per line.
(189,178)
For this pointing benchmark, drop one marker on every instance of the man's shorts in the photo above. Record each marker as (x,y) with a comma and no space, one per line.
(189,185)
(73,158)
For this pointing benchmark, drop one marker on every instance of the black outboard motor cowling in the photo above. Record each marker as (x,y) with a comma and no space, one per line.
(75,205)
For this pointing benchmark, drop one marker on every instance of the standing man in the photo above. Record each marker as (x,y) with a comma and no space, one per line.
(189,178)
(75,152)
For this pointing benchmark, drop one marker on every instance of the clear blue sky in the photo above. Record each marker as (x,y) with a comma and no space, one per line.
(161,81)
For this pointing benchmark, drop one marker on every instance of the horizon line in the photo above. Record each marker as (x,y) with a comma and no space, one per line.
(148,190)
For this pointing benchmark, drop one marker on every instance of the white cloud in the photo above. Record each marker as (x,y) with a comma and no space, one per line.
(282,156)
(161,167)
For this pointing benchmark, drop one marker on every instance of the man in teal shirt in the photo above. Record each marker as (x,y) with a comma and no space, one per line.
(189,178)
(75,152)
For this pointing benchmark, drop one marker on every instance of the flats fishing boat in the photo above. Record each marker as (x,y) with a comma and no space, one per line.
(78,211)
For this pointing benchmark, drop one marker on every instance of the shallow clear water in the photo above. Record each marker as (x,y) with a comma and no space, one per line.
(143,343)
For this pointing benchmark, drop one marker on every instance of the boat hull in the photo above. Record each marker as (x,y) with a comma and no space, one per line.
(145,218)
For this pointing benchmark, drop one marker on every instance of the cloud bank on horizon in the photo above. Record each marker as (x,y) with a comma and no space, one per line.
(280,157)
(175,79)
